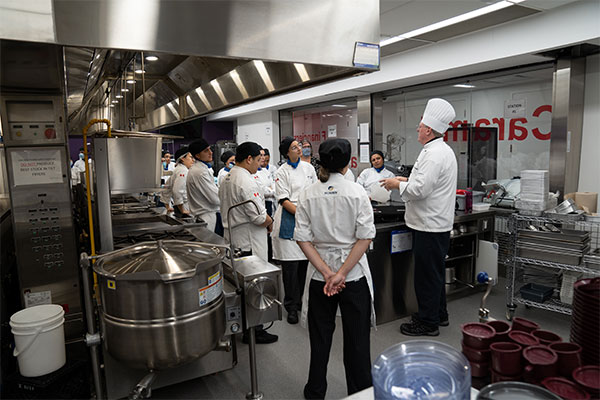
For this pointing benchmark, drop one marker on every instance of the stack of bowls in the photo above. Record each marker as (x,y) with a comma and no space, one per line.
(565,388)
(588,377)
(477,338)
(586,319)
(421,369)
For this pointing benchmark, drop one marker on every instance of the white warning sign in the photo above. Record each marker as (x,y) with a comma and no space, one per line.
(36,167)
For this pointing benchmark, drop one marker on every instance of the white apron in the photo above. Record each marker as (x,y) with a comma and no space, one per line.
(335,257)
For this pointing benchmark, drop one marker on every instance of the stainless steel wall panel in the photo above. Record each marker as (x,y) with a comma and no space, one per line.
(567,124)
(312,31)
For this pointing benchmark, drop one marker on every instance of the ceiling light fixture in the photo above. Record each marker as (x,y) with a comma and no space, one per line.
(124,90)
(464,85)
(140,71)
(339,105)
(450,21)
(151,58)
(131,81)
(115,101)
(119,96)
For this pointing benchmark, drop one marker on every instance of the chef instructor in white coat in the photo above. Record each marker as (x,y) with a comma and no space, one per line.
(430,196)
(334,227)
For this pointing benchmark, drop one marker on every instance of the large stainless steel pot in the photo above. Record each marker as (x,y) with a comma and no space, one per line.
(162,302)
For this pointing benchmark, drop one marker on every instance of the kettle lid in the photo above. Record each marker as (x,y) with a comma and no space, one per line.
(170,258)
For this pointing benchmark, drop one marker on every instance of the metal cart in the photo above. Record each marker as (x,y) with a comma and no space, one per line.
(550,254)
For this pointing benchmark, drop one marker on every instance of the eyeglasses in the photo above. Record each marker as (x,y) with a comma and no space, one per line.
(294,148)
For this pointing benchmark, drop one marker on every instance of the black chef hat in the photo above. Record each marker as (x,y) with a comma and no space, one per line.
(181,152)
(334,154)
(284,147)
(376,152)
(225,156)
(247,149)
(197,146)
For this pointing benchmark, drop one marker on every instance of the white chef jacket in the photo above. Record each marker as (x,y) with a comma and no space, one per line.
(170,167)
(266,183)
(202,193)
(238,186)
(333,216)
(430,193)
(178,186)
(370,176)
(78,168)
(221,175)
(167,194)
(349,175)
(289,183)
(272,170)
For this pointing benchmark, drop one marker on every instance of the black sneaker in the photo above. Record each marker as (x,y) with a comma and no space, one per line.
(444,322)
(262,337)
(292,317)
(416,328)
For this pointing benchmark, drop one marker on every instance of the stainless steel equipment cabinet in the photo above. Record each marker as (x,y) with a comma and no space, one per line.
(392,275)
(548,256)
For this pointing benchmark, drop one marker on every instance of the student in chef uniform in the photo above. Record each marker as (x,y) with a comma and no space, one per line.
(228,159)
(266,182)
(202,192)
(167,165)
(176,186)
(430,195)
(374,174)
(291,179)
(250,222)
(267,164)
(334,227)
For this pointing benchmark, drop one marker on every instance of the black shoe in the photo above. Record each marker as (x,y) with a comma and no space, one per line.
(444,322)
(262,337)
(292,317)
(416,328)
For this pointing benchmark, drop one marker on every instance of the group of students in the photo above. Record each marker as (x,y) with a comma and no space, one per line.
(321,228)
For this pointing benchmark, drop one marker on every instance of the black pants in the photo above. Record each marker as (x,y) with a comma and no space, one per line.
(429,251)
(355,305)
(294,275)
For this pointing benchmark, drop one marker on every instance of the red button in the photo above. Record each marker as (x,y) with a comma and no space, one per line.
(50,133)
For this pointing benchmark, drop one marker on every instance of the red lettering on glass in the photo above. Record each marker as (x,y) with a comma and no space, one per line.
(536,132)
(512,135)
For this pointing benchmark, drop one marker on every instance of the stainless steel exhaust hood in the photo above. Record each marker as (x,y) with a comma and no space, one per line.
(209,51)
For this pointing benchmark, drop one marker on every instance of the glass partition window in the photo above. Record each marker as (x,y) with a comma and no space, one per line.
(502,124)
(320,123)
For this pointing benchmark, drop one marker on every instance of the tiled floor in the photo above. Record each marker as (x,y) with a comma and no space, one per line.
(283,366)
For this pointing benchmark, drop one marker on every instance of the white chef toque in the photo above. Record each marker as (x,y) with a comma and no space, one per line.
(438,114)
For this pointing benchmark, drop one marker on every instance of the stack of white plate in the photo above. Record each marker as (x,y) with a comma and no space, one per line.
(534,189)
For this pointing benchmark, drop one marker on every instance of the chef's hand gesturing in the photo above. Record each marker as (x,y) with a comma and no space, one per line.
(392,183)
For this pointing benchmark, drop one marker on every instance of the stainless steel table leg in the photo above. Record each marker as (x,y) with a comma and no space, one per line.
(254,394)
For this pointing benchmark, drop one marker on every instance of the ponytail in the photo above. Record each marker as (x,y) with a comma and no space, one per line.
(323,174)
